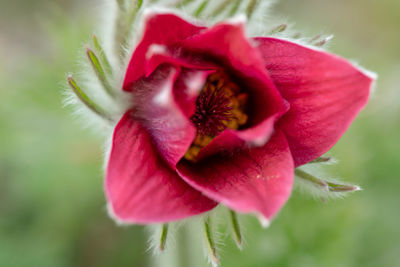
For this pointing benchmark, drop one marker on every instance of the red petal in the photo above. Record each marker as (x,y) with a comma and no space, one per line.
(325,93)
(226,142)
(252,180)
(160,29)
(140,187)
(171,131)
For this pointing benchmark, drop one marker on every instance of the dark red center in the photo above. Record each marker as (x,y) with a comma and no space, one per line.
(220,105)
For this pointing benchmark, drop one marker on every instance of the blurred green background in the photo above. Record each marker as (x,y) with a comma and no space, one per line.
(52,208)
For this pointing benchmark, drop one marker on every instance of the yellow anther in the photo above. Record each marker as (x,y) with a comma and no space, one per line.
(202,140)
(192,153)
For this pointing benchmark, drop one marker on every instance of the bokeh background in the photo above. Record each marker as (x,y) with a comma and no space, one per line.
(52,208)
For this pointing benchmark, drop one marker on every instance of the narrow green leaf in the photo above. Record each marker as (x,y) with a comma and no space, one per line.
(321,42)
(278,29)
(316,41)
(86,100)
(334,187)
(321,160)
(236,228)
(327,185)
(139,3)
(211,247)
(163,236)
(251,7)
(315,38)
(98,69)
(201,8)
(234,8)
(102,55)
(183,3)
(221,7)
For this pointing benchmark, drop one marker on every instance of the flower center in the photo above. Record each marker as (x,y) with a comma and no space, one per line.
(220,105)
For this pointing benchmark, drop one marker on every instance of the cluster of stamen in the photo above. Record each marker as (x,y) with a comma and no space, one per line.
(220,105)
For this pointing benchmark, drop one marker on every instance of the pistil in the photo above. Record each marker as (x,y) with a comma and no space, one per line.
(220,105)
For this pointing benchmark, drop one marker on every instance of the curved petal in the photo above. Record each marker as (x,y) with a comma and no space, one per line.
(325,93)
(140,187)
(156,108)
(232,140)
(253,180)
(162,30)
(160,56)
(225,143)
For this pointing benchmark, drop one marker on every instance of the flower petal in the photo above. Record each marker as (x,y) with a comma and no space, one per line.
(140,187)
(156,108)
(325,93)
(162,30)
(252,180)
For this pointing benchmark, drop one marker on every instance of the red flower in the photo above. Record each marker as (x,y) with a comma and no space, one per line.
(221,118)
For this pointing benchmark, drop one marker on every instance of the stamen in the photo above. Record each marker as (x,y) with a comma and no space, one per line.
(220,105)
